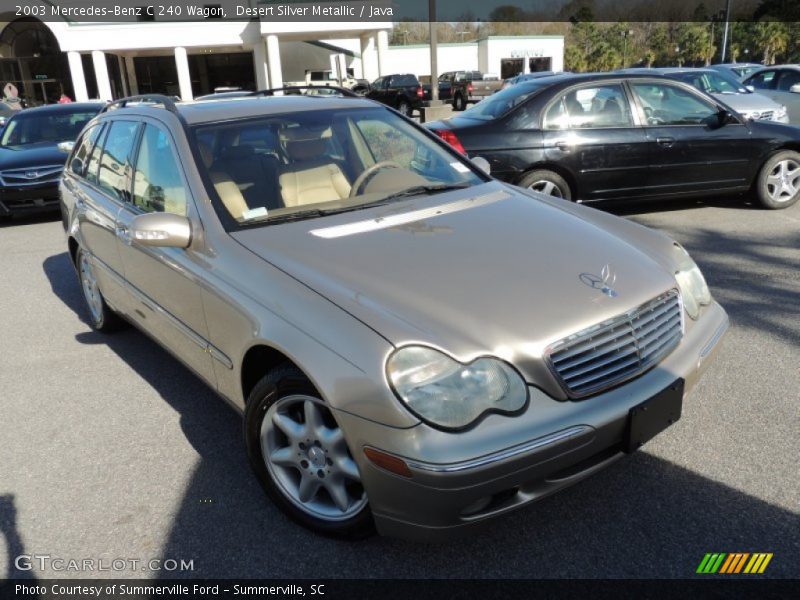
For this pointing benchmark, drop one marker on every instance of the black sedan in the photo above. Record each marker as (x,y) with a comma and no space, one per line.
(597,137)
(33,148)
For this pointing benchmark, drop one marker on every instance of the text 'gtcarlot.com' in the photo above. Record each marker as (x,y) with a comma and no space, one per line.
(46,562)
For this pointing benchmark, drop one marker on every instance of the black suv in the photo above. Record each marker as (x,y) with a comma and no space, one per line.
(402,92)
(33,148)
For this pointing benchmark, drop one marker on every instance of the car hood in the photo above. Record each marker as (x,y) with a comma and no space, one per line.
(486,270)
(31,155)
(748,102)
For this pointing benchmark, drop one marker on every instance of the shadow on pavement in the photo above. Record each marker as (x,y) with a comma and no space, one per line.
(9,534)
(643,517)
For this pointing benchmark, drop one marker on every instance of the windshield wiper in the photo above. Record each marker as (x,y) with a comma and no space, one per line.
(423,189)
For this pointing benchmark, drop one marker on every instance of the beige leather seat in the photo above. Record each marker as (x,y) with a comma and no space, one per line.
(226,188)
(310,177)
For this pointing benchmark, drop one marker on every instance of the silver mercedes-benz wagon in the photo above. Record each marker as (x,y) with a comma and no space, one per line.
(415,347)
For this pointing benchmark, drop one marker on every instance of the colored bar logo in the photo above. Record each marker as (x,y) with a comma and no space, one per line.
(725,563)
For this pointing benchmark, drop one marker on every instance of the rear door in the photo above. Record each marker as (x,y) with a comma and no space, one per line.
(687,151)
(97,213)
(164,282)
(783,94)
(592,131)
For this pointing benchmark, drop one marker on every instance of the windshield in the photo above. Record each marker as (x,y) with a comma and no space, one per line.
(713,82)
(313,163)
(496,105)
(33,127)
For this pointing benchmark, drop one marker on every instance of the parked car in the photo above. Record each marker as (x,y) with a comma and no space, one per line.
(464,87)
(613,136)
(526,77)
(726,88)
(33,148)
(413,345)
(781,84)
(329,78)
(400,91)
(738,70)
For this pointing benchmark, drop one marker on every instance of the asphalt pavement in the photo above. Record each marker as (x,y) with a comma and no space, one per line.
(110,449)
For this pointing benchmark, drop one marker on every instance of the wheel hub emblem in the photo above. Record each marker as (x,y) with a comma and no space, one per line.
(316,456)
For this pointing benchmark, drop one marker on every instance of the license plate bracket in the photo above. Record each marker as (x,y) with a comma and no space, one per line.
(654,415)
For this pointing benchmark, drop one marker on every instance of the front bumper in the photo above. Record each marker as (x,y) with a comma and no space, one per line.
(28,199)
(456,484)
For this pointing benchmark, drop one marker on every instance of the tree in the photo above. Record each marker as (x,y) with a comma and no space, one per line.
(771,37)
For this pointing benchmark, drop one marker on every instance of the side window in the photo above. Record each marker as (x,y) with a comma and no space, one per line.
(157,183)
(115,163)
(763,81)
(94,158)
(556,116)
(787,80)
(79,159)
(597,107)
(671,105)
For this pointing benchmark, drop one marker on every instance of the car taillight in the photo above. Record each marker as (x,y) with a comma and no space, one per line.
(469,88)
(451,138)
(419,92)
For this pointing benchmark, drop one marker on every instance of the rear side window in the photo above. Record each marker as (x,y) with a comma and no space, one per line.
(787,80)
(79,159)
(763,81)
(115,163)
(157,183)
(404,80)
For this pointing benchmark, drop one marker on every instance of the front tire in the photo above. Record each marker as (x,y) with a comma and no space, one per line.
(547,182)
(301,459)
(778,182)
(101,316)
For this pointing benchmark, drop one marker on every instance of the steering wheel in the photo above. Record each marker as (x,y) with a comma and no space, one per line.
(654,117)
(369,172)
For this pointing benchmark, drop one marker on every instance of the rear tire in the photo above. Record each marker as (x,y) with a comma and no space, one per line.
(101,316)
(301,459)
(546,182)
(459,103)
(778,182)
(404,108)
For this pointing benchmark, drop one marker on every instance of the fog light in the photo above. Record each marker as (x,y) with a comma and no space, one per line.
(387,462)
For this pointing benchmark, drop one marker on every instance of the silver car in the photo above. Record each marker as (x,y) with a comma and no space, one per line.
(414,346)
(781,83)
(727,88)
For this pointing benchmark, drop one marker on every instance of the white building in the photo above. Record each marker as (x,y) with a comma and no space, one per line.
(111,60)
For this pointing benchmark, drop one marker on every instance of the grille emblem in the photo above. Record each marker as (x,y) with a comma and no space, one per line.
(602,282)
(31,174)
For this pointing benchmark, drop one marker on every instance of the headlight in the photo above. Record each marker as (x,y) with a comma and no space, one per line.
(694,290)
(451,395)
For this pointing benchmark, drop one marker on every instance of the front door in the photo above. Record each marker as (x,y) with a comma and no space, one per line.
(164,284)
(689,151)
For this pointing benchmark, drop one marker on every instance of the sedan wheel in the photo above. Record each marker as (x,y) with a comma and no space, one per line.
(779,180)
(102,318)
(546,182)
(300,456)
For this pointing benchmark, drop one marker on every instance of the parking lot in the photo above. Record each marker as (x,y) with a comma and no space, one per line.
(111,449)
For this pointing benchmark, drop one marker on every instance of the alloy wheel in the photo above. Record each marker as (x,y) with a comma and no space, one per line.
(783,182)
(307,457)
(91,292)
(546,187)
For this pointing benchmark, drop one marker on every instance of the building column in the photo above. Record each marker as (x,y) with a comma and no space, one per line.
(369,58)
(78,78)
(274,62)
(133,83)
(184,78)
(121,65)
(383,52)
(260,64)
(101,73)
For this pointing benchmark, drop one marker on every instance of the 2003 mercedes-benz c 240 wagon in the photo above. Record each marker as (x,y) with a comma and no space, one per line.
(414,346)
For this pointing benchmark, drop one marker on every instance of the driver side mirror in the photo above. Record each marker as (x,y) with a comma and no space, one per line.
(164,230)
(795,89)
(750,88)
(720,119)
(482,164)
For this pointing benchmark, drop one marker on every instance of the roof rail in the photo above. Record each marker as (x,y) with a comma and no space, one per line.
(166,101)
(296,88)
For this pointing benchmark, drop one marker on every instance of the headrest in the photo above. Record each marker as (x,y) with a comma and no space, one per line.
(305,149)
(206,154)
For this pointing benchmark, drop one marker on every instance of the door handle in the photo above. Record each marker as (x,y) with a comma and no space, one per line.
(666,142)
(124,234)
(563,146)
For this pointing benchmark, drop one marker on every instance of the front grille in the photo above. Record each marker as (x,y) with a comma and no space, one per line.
(31,175)
(617,350)
(766,115)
